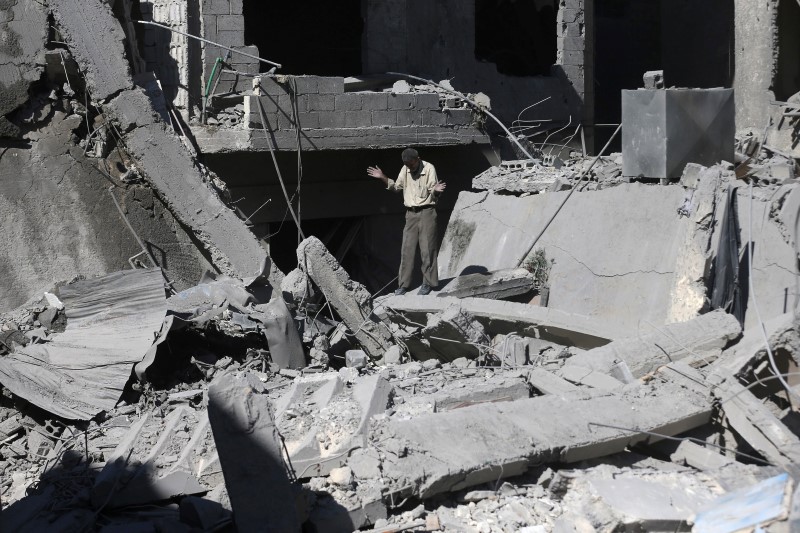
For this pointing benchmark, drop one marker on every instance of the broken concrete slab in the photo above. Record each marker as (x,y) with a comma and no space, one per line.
(750,353)
(704,336)
(260,492)
(505,317)
(754,422)
(774,273)
(111,323)
(758,505)
(699,457)
(350,299)
(650,505)
(508,437)
(653,260)
(335,419)
(449,335)
(494,285)
(549,383)
(588,377)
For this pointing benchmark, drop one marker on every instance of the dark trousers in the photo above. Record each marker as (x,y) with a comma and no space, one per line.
(420,230)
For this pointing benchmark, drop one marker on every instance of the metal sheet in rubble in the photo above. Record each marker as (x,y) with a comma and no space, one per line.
(111,323)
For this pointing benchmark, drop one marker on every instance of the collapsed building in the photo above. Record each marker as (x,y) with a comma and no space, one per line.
(197,330)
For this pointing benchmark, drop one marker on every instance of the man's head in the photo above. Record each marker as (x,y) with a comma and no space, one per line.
(410,159)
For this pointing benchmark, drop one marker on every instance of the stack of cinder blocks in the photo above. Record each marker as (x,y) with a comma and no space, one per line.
(223,23)
(323,104)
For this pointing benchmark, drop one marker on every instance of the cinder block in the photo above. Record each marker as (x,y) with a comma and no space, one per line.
(409,117)
(230,23)
(331,119)
(237,7)
(384,118)
(285,121)
(571,44)
(400,102)
(272,87)
(459,117)
(216,7)
(254,120)
(374,101)
(427,101)
(358,119)
(268,103)
(321,102)
(306,84)
(230,38)
(330,85)
(433,118)
(247,67)
(571,57)
(285,103)
(348,102)
(309,121)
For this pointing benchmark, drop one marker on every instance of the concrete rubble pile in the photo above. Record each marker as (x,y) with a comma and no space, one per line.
(620,359)
(410,412)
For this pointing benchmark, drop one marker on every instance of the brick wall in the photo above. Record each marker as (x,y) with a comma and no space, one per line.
(223,23)
(322,103)
(167,53)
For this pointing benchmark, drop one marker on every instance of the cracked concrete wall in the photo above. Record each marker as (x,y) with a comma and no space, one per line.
(619,253)
(62,223)
(776,278)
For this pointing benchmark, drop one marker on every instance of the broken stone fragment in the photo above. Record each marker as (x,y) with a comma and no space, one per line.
(341,476)
(393,356)
(356,359)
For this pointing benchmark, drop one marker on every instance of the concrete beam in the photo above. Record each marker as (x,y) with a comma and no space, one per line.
(493,285)
(504,317)
(704,336)
(432,454)
(349,299)
(220,140)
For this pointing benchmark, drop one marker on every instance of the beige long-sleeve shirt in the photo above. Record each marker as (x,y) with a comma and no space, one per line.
(417,187)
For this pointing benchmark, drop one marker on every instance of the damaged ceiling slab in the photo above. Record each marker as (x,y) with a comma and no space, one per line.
(201,324)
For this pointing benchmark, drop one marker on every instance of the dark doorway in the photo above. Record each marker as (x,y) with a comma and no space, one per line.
(519,36)
(787,77)
(697,43)
(307,36)
(627,44)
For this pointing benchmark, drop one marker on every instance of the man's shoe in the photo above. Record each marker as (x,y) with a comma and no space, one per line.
(425,289)
(400,291)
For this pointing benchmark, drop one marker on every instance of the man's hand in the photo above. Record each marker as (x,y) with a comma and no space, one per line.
(439,187)
(376,172)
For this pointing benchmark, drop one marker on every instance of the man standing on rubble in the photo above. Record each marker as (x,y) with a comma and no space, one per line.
(421,188)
